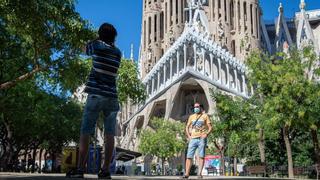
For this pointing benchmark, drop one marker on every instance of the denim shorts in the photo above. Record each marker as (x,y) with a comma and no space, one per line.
(94,105)
(197,143)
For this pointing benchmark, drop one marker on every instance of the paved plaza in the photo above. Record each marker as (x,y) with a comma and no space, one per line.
(4,175)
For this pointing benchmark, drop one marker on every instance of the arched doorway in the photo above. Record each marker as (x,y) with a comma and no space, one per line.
(158,109)
(189,92)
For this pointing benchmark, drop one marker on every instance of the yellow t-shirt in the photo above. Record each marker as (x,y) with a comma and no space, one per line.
(198,127)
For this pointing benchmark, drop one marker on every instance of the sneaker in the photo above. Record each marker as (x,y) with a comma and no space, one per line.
(184,177)
(104,175)
(75,173)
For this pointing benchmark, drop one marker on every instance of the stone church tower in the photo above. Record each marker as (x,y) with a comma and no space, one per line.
(233,24)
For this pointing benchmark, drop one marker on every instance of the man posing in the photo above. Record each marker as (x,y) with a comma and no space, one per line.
(102,97)
(200,126)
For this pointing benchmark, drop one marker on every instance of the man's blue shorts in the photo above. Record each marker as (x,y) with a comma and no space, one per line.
(96,104)
(197,143)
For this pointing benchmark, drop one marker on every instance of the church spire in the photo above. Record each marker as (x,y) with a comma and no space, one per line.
(131,52)
(282,31)
(302,5)
(305,34)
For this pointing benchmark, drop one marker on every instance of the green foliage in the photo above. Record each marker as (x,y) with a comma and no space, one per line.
(39,118)
(40,58)
(129,84)
(45,36)
(290,97)
(287,96)
(235,124)
(164,141)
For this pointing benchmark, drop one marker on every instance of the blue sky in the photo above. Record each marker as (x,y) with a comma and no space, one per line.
(126,16)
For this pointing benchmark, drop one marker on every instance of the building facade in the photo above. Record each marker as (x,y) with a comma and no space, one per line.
(233,24)
(192,47)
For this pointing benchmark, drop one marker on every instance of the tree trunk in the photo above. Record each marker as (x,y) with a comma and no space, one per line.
(316,145)
(25,160)
(261,145)
(34,154)
(127,109)
(45,161)
(163,169)
(235,166)
(40,158)
(9,149)
(222,163)
(289,152)
(53,165)
(221,153)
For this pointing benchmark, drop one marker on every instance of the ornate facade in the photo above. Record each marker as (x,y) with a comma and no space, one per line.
(212,38)
(190,46)
(233,24)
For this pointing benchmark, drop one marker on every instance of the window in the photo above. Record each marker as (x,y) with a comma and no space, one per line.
(232,18)
(225,10)
(257,23)
(155,27)
(182,10)
(213,5)
(239,17)
(166,15)
(233,47)
(245,15)
(219,8)
(177,14)
(149,30)
(251,18)
(171,12)
(144,34)
(161,25)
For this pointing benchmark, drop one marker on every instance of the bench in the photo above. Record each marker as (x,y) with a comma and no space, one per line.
(297,171)
(256,170)
(212,170)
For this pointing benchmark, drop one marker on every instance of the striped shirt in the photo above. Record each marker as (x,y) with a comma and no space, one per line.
(106,61)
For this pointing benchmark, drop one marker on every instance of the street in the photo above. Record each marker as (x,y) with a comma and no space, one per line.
(8,175)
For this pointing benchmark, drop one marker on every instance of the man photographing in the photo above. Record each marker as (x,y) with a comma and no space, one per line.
(102,97)
(200,126)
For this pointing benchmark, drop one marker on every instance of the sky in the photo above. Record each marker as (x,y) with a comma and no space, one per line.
(126,16)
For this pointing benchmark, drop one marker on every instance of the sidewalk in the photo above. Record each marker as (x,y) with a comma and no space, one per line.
(29,176)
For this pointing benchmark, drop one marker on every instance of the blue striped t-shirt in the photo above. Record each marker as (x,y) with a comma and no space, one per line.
(106,61)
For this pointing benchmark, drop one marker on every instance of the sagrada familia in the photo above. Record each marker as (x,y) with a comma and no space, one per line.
(189,47)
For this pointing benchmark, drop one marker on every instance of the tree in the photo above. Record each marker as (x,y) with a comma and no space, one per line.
(130,88)
(40,64)
(129,84)
(42,38)
(32,118)
(234,126)
(290,94)
(164,140)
